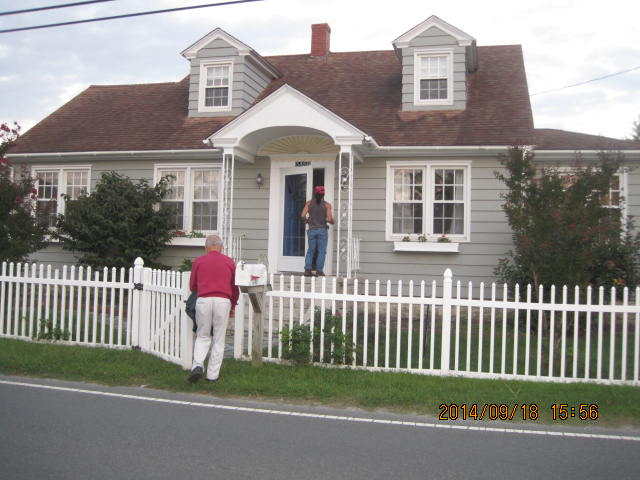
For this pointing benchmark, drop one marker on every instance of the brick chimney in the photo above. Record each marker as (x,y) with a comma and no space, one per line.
(320,33)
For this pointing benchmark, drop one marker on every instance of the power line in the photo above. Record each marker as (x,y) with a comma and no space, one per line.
(114,17)
(63,5)
(586,81)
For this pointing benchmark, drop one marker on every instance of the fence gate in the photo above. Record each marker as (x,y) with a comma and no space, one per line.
(160,325)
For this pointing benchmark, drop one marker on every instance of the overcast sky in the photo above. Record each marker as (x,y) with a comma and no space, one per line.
(564,42)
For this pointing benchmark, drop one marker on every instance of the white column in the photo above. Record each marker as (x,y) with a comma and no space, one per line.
(344,213)
(226,224)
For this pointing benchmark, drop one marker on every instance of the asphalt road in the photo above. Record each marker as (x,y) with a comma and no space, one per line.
(64,430)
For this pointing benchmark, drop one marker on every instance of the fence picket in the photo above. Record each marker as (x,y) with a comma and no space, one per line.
(600,333)
(410,329)
(3,323)
(612,339)
(576,327)
(623,354)
(480,327)
(354,321)
(587,346)
(421,336)
(376,342)
(32,301)
(387,338)
(365,325)
(457,337)
(563,348)
(552,330)
(503,352)
(433,326)
(399,325)
(636,348)
(516,330)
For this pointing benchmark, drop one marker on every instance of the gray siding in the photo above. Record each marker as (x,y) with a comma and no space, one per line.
(251,208)
(248,80)
(433,38)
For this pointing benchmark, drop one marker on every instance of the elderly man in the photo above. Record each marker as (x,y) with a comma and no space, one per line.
(213,276)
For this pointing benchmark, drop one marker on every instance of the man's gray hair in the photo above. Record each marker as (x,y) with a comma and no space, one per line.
(213,241)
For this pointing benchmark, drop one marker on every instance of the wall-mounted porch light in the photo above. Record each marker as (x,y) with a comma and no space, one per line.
(259,180)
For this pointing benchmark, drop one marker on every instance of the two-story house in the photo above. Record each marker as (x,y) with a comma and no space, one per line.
(406,142)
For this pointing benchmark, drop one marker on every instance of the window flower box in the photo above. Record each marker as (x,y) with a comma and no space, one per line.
(431,247)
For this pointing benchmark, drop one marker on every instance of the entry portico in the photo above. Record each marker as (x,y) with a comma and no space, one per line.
(306,145)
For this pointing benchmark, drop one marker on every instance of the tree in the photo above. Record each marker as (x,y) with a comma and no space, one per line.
(635,131)
(20,233)
(563,232)
(117,222)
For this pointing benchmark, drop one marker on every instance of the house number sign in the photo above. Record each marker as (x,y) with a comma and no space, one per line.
(303,164)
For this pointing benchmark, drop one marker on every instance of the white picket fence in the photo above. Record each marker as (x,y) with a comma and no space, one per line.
(446,330)
(483,331)
(138,307)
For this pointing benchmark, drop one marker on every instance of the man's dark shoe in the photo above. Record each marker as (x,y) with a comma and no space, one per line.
(307,273)
(319,274)
(195,375)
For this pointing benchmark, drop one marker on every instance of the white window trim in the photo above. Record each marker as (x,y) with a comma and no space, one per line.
(203,83)
(417,55)
(624,184)
(428,167)
(188,198)
(62,179)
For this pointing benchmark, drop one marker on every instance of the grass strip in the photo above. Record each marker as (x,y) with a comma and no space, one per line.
(398,392)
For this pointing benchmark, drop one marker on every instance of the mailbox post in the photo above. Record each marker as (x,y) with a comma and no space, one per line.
(252,280)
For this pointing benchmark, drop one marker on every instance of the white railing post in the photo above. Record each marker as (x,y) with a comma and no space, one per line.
(446,320)
(238,329)
(186,339)
(138,266)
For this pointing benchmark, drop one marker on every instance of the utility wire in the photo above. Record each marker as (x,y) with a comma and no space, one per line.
(586,81)
(114,17)
(63,5)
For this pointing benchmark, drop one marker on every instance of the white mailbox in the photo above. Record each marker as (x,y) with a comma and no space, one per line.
(251,274)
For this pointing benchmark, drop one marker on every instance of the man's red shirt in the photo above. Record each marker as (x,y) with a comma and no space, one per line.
(214,275)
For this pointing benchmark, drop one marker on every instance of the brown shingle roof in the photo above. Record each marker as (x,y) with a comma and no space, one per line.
(552,139)
(364,88)
(120,118)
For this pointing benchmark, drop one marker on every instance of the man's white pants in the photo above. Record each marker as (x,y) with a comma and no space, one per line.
(211,313)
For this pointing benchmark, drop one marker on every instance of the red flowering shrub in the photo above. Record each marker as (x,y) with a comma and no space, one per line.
(20,234)
(563,234)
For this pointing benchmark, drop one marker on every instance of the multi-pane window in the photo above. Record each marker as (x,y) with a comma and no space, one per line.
(175,198)
(47,207)
(612,199)
(407,201)
(216,80)
(193,197)
(434,75)
(429,200)
(51,183)
(217,86)
(205,199)
(448,201)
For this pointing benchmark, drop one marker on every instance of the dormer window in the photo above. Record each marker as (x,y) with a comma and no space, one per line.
(216,79)
(433,77)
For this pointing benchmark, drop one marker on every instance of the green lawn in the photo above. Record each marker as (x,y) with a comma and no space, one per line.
(401,392)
